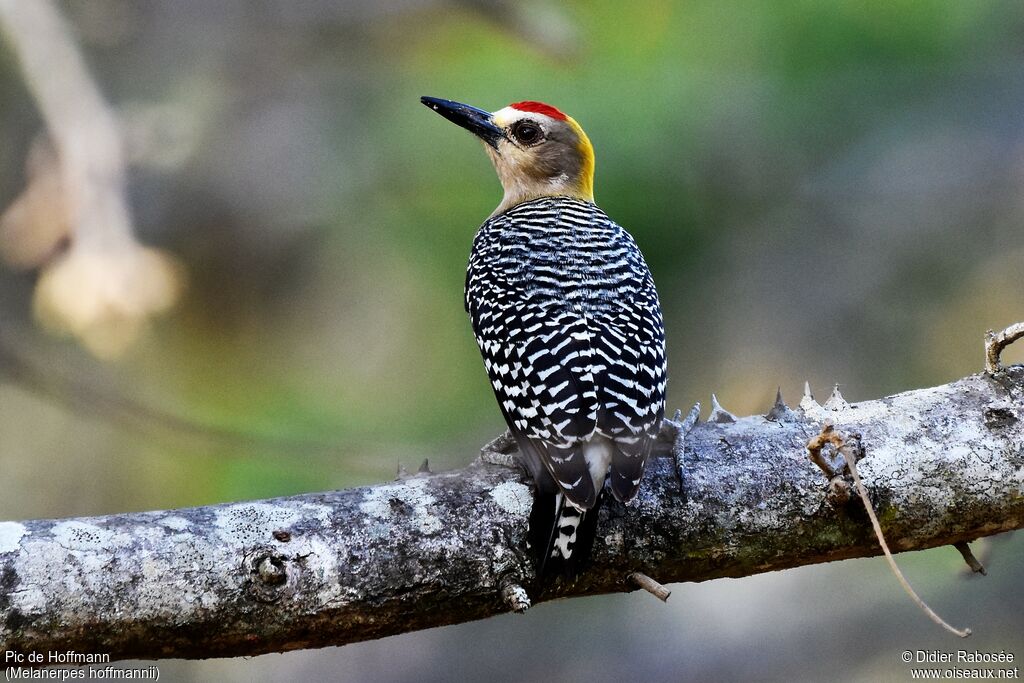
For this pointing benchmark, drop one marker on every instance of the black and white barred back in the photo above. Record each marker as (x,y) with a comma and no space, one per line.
(567,318)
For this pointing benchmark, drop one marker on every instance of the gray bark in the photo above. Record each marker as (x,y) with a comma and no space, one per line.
(943,465)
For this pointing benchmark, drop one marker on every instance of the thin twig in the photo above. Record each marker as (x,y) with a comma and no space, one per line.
(851,463)
(650,585)
(995,342)
(972,562)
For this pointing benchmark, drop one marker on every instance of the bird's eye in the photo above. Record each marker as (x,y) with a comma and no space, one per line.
(527,133)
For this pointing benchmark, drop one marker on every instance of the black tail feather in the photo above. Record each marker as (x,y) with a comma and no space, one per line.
(561,536)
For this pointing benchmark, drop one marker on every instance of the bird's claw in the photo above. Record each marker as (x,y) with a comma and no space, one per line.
(499,450)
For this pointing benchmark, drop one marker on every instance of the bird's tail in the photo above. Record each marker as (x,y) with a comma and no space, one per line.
(561,535)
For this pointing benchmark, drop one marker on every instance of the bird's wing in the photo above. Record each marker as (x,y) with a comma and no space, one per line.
(631,389)
(629,362)
(538,361)
(560,386)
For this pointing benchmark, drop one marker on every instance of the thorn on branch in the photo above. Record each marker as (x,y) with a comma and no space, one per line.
(807,402)
(719,415)
(515,597)
(995,342)
(969,558)
(403,474)
(780,412)
(836,402)
(650,585)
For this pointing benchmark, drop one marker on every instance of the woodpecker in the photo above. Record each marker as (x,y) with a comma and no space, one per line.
(567,318)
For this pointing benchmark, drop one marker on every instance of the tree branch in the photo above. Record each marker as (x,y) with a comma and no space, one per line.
(943,465)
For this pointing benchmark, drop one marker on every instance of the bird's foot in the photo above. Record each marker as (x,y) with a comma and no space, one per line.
(500,450)
(681,429)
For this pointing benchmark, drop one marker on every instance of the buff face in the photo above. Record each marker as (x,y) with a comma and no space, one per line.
(542,153)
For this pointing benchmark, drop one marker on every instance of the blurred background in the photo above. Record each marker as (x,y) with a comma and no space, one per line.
(825,191)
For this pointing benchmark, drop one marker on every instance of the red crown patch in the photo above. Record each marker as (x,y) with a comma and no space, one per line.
(539,108)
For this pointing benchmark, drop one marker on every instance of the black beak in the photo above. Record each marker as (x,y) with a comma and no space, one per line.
(476,121)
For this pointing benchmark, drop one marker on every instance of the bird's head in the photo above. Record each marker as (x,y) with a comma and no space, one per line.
(537,150)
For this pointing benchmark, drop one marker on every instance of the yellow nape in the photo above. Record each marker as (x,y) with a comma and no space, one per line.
(586,179)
